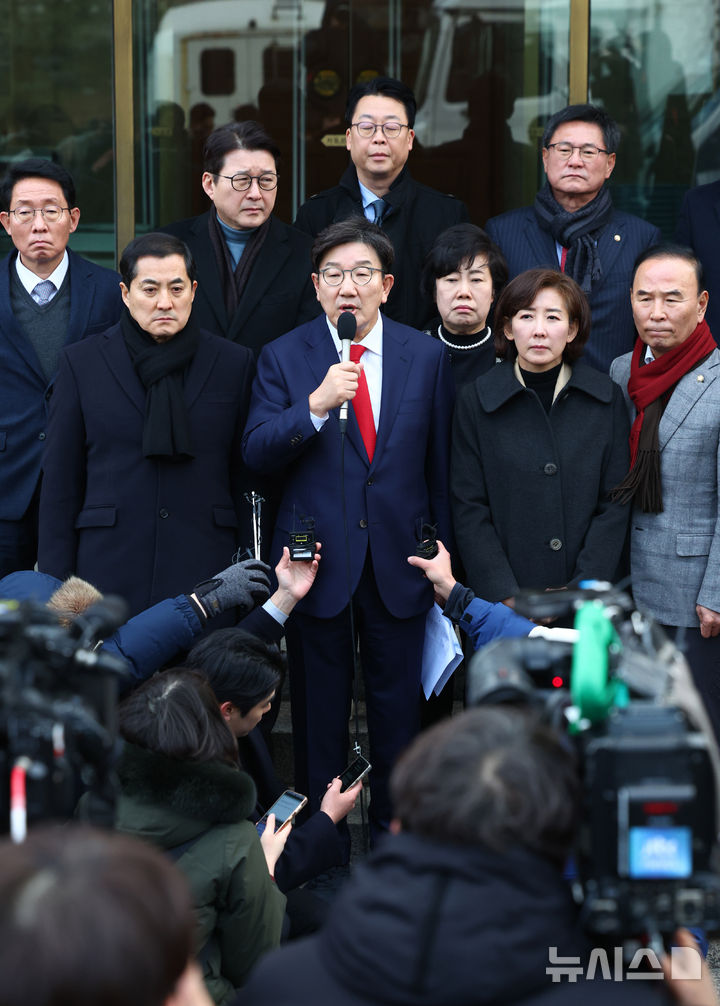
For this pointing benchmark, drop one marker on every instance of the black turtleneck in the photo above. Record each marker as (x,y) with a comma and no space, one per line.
(467,363)
(543,384)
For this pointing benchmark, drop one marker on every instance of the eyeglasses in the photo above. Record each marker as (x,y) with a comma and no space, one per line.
(242,182)
(50,214)
(390,130)
(361,274)
(588,151)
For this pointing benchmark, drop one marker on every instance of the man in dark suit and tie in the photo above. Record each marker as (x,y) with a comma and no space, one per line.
(380,115)
(49,297)
(572,226)
(253,270)
(367,496)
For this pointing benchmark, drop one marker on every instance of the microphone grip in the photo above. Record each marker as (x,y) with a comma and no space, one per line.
(345,358)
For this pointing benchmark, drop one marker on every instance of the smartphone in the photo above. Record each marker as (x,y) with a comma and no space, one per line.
(356,770)
(285,808)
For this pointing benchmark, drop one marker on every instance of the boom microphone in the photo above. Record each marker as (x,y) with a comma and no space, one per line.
(346,329)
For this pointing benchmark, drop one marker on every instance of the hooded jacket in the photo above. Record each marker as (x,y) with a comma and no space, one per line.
(425,923)
(204,807)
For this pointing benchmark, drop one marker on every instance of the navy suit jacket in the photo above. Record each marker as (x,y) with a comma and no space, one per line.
(699,227)
(406,482)
(279,293)
(95,304)
(526,246)
(142,528)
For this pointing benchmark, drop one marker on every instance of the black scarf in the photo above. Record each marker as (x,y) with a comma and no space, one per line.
(161,368)
(234,278)
(577,232)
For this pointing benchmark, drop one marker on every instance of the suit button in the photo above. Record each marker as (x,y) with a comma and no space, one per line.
(164,513)
(363,523)
(370,482)
(41,436)
(555,544)
(550,469)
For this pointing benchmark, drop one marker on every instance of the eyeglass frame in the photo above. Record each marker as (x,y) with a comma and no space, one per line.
(41,211)
(577,146)
(333,268)
(382,126)
(244,174)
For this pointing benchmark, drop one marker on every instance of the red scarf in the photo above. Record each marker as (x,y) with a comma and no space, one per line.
(649,382)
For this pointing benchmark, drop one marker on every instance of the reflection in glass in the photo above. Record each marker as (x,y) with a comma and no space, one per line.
(57,103)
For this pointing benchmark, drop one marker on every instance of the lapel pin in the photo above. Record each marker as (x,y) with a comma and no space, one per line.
(616,237)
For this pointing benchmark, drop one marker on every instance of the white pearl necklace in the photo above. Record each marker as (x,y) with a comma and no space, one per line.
(451,345)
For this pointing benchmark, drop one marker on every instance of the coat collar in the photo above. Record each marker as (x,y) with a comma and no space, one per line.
(112,346)
(205,791)
(400,190)
(499,385)
(82,288)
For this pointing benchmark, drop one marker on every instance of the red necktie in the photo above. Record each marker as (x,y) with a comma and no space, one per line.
(563,257)
(361,405)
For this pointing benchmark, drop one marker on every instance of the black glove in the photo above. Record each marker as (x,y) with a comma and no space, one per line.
(243,585)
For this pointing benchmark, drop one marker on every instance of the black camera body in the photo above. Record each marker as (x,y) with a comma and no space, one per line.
(647,852)
(58,710)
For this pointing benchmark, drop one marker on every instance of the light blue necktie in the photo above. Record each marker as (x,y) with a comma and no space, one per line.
(378,206)
(43,292)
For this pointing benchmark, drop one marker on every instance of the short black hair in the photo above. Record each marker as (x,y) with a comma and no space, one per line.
(387,87)
(669,249)
(241,668)
(91,917)
(176,713)
(585,113)
(154,245)
(492,776)
(246,135)
(458,246)
(356,228)
(36,167)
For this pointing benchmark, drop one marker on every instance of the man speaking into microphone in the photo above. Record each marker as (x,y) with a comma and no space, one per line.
(367,490)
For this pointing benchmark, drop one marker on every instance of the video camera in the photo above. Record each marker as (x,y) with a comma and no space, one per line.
(58,718)
(621,693)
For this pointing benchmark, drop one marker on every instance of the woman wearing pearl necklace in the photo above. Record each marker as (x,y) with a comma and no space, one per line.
(464,272)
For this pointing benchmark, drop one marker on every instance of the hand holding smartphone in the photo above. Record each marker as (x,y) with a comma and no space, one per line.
(285,808)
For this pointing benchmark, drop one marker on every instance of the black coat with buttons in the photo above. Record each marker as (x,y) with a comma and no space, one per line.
(530,490)
(143,528)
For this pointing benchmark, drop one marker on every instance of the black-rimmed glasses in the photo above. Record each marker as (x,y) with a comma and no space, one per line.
(241,182)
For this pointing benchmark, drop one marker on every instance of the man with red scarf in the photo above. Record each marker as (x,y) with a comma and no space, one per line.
(672,384)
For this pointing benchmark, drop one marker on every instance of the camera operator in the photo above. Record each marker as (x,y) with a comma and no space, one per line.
(462,903)
(88,918)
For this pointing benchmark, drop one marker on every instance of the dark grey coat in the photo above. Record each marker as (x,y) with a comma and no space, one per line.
(530,490)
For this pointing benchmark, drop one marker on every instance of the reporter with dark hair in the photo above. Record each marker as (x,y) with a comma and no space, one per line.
(538,444)
(462,903)
(182,790)
(89,918)
(244,673)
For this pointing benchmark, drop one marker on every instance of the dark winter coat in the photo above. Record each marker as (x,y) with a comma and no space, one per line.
(143,528)
(278,296)
(239,909)
(424,923)
(530,489)
(415,216)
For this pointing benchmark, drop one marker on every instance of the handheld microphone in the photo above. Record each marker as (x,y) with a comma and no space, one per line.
(346,329)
